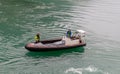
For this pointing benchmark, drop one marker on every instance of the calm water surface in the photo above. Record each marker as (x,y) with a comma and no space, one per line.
(20,20)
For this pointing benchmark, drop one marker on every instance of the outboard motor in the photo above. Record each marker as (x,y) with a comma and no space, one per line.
(81,33)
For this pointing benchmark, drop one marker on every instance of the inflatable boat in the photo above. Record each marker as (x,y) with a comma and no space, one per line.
(77,40)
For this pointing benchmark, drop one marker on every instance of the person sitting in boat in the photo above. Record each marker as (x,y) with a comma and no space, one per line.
(37,38)
(69,33)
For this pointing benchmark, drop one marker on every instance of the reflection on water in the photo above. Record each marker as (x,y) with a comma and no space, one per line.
(55,53)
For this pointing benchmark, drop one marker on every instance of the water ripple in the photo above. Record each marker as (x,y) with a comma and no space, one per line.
(89,69)
(11,61)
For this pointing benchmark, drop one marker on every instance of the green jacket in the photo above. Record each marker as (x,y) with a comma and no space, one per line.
(37,38)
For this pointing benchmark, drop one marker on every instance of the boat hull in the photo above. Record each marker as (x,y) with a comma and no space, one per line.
(36,47)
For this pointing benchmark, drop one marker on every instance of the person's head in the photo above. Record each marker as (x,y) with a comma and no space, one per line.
(38,34)
(69,29)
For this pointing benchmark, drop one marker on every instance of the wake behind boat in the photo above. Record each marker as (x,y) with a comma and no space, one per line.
(76,40)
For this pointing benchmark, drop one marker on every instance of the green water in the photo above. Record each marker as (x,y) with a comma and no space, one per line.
(20,20)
